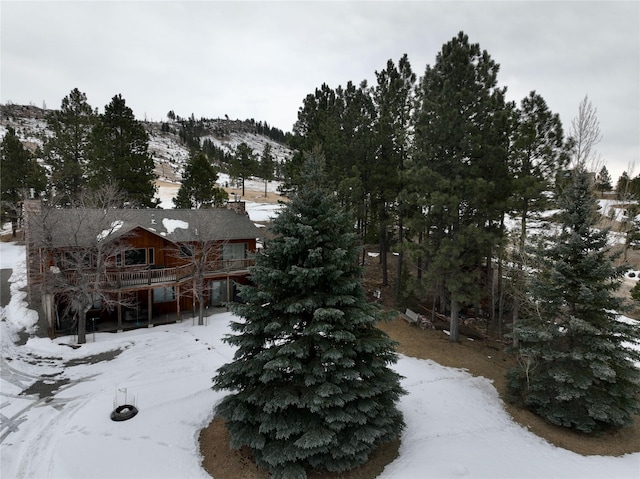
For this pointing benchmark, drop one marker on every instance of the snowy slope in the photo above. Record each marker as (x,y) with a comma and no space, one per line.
(168,153)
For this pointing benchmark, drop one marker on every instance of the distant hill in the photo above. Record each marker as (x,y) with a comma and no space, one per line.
(168,141)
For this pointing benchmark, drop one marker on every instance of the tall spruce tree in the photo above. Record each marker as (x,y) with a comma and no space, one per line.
(311,383)
(119,155)
(67,150)
(198,188)
(576,364)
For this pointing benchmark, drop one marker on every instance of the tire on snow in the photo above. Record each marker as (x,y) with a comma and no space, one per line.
(124,412)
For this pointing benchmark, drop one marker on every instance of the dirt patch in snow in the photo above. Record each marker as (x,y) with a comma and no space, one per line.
(489,359)
(223,462)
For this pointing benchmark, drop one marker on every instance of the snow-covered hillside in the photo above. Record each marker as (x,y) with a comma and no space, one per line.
(168,152)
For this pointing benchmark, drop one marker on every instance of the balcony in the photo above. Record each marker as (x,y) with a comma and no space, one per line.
(123,279)
(158,275)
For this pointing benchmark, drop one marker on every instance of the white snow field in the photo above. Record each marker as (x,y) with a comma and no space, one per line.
(257,211)
(166,372)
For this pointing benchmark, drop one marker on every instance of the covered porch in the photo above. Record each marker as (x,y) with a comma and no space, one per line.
(148,306)
(111,326)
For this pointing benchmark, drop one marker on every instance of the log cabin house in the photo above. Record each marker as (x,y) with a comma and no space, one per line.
(151,266)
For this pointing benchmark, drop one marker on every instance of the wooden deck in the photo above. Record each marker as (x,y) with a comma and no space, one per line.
(144,277)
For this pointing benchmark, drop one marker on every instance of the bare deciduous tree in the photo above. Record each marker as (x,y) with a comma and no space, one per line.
(87,239)
(585,135)
(204,255)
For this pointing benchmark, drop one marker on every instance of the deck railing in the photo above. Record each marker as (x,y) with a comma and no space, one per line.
(141,277)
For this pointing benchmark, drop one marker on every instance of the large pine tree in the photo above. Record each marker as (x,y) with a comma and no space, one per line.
(576,367)
(243,164)
(198,188)
(537,154)
(394,101)
(67,150)
(120,154)
(457,176)
(311,383)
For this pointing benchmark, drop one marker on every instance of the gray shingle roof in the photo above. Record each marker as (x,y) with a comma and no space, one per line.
(68,227)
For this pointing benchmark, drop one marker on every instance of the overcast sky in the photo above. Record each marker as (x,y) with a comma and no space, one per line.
(259,59)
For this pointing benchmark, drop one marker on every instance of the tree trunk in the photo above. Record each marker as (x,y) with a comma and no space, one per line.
(500,292)
(199,295)
(383,262)
(400,260)
(419,260)
(201,313)
(82,326)
(383,244)
(520,270)
(454,335)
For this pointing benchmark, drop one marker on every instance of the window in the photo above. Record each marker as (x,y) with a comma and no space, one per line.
(218,292)
(97,301)
(136,256)
(232,251)
(185,251)
(164,295)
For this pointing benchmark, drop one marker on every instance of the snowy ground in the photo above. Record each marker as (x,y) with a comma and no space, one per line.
(257,211)
(166,371)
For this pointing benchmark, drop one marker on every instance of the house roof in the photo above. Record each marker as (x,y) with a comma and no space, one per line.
(69,227)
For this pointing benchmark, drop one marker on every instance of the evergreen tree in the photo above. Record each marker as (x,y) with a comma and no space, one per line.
(622,186)
(66,151)
(267,165)
(341,122)
(537,154)
(19,172)
(119,154)
(198,188)
(355,184)
(458,175)
(633,192)
(577,366)
(243,164)
(393,96)
(603,181)
(319,124)
(312,387)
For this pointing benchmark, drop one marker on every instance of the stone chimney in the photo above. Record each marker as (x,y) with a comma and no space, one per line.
(237,206)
